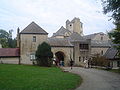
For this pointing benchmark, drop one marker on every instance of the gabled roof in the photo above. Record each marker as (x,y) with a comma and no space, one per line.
(111,53)
(92,36)
(9,52)
(61,32)
(33,28)
(60,42)
(76,37)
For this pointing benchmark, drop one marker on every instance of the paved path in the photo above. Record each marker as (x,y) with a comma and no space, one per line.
(94,79)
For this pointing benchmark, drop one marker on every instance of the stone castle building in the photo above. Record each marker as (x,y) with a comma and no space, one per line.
(67,43)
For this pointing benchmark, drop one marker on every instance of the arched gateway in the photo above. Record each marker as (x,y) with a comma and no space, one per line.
(62,49)
(60,58)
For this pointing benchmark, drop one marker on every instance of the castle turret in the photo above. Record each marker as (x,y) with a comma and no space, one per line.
(67,22)
(75,26)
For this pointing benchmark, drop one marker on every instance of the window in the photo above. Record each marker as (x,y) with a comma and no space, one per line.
(32,57)
(84,46)
(34,38)
(102,52)
(81,25)
(101,38)
(118,63)
(79,59)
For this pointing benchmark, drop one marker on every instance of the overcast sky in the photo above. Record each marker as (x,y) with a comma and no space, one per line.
(52,14)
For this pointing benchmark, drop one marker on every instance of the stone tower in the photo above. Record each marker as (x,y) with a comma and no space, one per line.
(30,38)
(75,26)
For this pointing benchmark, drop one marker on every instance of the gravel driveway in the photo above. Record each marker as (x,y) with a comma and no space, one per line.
(94,79)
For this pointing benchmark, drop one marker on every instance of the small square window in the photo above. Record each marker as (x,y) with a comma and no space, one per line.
(34,38)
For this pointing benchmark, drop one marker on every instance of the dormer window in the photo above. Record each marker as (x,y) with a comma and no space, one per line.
(34,38)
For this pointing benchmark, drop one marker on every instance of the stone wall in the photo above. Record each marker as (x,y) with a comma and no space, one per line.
(67,52)
(98,50)
(27,46)
(104,37)
(10,60)
(80,55)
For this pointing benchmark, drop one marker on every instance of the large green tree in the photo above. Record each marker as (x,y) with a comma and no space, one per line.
(113,7)
(6,39)
(44,55)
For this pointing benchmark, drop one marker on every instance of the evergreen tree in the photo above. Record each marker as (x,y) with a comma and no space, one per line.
(44,55)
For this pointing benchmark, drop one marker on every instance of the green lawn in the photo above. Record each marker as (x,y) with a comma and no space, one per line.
(25,77)
(115,70)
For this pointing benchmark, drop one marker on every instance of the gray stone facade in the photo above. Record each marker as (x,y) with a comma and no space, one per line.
(69,41)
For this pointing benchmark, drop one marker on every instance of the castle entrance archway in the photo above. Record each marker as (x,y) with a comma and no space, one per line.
(60,56)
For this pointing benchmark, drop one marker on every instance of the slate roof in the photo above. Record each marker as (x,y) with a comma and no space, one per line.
(61,32)
(76,37)
(9,52)
(33,28)
(60,42)
(96,43)
(111,53)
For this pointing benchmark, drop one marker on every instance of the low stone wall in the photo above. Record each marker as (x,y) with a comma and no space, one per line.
(13,60)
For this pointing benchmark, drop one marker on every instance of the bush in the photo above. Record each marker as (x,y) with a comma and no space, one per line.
(100,61)
(44,55)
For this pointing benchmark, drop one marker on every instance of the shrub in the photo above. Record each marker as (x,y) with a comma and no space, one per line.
(98,60)
(44,55)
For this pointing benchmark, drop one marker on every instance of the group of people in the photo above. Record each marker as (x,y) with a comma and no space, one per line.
(61,63)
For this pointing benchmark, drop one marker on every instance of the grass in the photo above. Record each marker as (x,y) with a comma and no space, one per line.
(115,70)
(111,70)
(25,77)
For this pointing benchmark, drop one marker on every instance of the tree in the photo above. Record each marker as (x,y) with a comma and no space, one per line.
(6,39)
(98,60)
(12,43)
(44,55)
(113,7)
